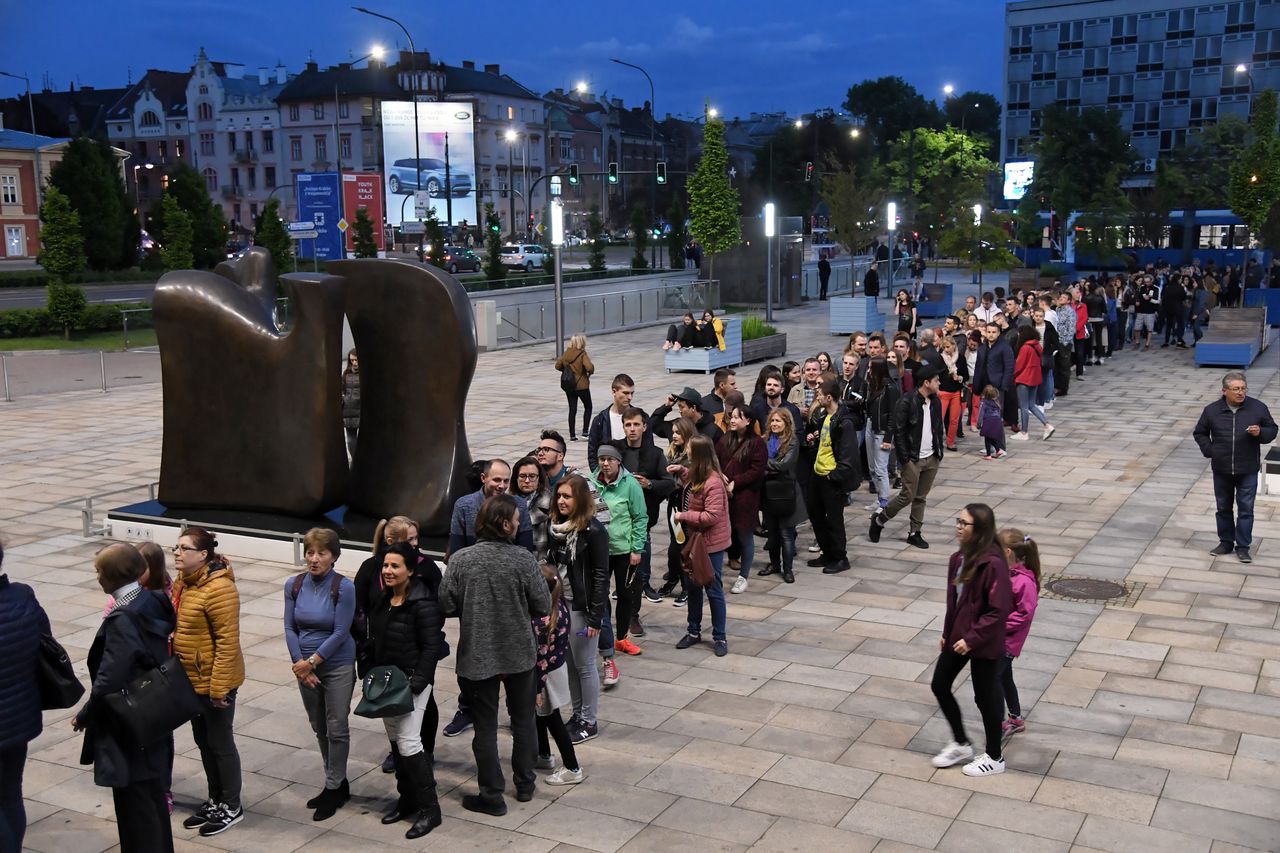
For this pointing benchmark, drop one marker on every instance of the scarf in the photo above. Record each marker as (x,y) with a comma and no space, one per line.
(950,360)
(565,532)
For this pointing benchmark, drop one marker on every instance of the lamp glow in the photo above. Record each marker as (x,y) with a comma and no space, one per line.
(977,214)
(948,90)
(893,216)
(769,227)
(557,223)
(511,135)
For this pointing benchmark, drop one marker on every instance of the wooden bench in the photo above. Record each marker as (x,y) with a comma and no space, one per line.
(700,360)
(1234,339)
(1269,298)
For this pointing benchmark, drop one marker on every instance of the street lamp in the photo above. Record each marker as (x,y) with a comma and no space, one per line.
(892,216)
(511,136)
(581,88)
(35,145)
(712,112)
(977,239)
(855,133)
(948,90)
(137,190)
(653,151)
(770,230)
(557,244)
(1244,69)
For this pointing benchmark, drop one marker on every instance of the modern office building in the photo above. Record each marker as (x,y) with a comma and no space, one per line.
(1169,67)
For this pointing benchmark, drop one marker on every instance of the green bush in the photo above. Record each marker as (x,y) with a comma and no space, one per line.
(754,327)
(39,278)
(1053,271)
(36,322)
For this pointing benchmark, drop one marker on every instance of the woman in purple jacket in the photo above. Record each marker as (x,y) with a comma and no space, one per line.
(979,598)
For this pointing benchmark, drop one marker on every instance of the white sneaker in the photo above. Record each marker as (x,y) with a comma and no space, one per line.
(546,762)
(952,754)
(740,585)
(815,548)
(1047,406)
(1019,436)
(875,507)
(565,776)
(1049,431)
(984,766)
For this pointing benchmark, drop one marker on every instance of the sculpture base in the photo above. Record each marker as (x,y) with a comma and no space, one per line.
(252,535)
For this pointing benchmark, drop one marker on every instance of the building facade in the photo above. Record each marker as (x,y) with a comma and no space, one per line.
(19,200)
(1169,67)
(150,122)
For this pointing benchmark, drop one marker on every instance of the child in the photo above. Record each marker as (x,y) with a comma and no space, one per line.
(991,424)
(1023,556)
(552,633)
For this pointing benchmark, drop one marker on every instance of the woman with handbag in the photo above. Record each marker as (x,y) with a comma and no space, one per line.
(742,456)
(575,380)
(22,623)
(132,639)
(319,606)
(207,641)
(408,633)
(781,502)
(705,517)
(677,453)
(578,547)
(882,403)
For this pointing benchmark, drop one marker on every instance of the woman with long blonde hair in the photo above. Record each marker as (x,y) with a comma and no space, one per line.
(578,363)
(781,515)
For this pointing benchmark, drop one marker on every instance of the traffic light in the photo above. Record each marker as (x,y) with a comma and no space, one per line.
(613,173)
(808,171)
(662,172)
(573,174)
(494,226)
(656,230)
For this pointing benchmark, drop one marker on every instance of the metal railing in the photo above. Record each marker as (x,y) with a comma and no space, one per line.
(524,322)
(88,528)
(30,373)
(847,279)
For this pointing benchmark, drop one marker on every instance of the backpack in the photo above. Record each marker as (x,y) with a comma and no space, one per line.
(569,379)
(334,587)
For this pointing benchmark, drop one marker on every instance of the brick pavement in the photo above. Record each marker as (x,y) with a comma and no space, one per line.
(1150,728)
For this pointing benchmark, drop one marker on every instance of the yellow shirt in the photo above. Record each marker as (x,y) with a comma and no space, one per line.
(825,463)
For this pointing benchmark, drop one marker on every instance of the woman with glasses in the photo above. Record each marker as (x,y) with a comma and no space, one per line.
(979,599)
(207,641)
(529,481)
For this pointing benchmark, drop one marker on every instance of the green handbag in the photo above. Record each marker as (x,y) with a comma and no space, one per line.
(385,693)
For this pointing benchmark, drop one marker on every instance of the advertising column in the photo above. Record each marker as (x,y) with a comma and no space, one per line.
(363,191)
(319,197)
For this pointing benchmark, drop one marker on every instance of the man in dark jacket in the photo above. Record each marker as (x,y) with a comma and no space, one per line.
(607,426)
(1231,432)
(133,637)
(824,275)
(689,404)
(871,281)
(724,382)
(918,439)
(648,465)
(773,399)
(835,471)
(995,366)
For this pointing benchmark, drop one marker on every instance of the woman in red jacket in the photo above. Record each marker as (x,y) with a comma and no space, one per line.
(979,598)
(1027,376)
(742,456)
(1081,351)
(705,509)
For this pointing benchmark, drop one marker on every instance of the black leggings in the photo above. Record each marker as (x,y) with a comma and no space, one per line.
(985,675)
(574,396)
(1010,689)
(554,724)
(626,580)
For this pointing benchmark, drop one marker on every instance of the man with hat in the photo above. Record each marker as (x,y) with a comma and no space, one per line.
(918,439)
(689,405)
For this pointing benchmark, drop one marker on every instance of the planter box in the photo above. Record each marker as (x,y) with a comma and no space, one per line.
(855,314)
(709,360)
(938,302)
(770,346)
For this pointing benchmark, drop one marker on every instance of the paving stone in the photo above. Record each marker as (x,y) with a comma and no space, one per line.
(588,829)
(896,823)
(1045,821)
(1233,827)
(1146,706)
(964,837)
(920,796)
(809,806)
(1196,737)
(1118,836)
(686,780)
(1096,799)
(792,836)
(722,822)
(1228,796)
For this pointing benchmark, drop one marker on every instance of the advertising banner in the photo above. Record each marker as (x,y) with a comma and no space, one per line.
(1018,175)
(319,197)
(363,190)
(446,166)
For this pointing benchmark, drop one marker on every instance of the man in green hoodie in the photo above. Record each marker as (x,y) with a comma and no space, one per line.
(628,527)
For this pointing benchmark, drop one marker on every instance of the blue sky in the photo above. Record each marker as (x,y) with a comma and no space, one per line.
(740,56)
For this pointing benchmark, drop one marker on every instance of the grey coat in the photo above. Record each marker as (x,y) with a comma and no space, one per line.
(788,463)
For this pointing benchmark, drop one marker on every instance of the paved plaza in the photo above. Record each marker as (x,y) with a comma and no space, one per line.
(1150,727)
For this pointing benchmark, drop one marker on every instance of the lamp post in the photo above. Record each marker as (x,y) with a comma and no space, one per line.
(137,190)
(557,243)
(653,152)
(892,216)
(510,136)
(977,240)
(35,146)
(770,229)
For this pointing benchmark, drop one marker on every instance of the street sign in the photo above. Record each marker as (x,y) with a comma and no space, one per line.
(301,226)
(303,235)
(541,229)
(555,186)
(413,228)
(343,224)
(422,202)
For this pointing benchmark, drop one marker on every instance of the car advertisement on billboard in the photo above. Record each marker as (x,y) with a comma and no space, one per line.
(320,201)
(443,167)
(363,190)
(1018,175)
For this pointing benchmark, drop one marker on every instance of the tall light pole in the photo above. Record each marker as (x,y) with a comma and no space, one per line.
(511,136)
(770,229)
(653,151)
(137,190)
(977,240)
(35,146)
(557,243)
(892,216)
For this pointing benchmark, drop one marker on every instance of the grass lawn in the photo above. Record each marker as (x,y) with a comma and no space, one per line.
(108,341)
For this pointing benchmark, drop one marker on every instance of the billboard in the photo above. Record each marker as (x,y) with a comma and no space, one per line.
(319,197)
(1017,178)
(363,190)
(446,159)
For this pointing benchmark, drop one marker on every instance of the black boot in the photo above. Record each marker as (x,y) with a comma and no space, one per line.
(331,800)
(424,785)
(406,805)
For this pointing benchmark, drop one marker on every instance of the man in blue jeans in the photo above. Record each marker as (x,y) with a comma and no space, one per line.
(1231,432)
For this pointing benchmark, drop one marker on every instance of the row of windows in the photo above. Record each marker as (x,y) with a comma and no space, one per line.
(1179,23)
(318,110)
(1206,51)
(250,174)
(161,148)
(1166,140)
(1120,87)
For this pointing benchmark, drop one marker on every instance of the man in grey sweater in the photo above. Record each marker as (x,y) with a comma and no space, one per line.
(495,589)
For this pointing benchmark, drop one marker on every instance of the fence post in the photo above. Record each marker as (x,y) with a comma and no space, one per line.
(624,310)
(86,517)
(102,361)
(542,322)
(124,315)
(4,368)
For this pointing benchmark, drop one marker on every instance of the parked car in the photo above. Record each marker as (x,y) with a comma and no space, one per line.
(526,256)
(402,177)
(460,258)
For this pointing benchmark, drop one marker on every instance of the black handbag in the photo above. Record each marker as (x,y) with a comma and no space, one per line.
(55,677)
(155,703)
(385,693)
(780,495)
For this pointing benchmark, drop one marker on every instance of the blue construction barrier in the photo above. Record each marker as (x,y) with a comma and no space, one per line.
(1268,298)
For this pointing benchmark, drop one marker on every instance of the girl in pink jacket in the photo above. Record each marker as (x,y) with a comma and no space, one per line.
(1023,556)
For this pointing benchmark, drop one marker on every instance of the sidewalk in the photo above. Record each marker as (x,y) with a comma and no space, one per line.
(1154,727)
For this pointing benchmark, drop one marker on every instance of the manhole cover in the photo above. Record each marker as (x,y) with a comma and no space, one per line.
(1087,589)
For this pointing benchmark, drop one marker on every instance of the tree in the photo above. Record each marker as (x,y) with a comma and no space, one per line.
(640,228)
(778,172)
(272,236)
(66,304)
(713,201)
(888,107)
(365,245)
(493,268)
(208,228)
(854,208)
(676,238)
(89,176)
(176,240)
(433,239)
(975,113)
(981,245)
(941,170)
(1254,185)
(595,234)
(62,252)
(1099,230)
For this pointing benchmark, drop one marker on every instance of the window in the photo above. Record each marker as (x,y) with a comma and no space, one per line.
(204,90)
(268,141)
(1266,46)
(1019,96)
(1208,52)
(566,150)
(163,147)
(344,109)
(204,112)
(248,140)
(206,144)
(1233,82)
(269,177)
(1240,16)
(142,150)
(149,119)
(322,148)
(1120,89)
(1150,56)
(1071,35)
(1146,116)
(8,189)
(1177,84)
(211,180)
(1069,93)
(293,112)
(1096,60)
(1182,24)
(1124,29)
(317,109)
(1020,41)
(235,177)
(1171,139)
(1044,66)
(595,154)
(253,211)
(295,147)
(179,148)
(1203,111)
(252,174)
(235,212)
(344,145)
(231,142)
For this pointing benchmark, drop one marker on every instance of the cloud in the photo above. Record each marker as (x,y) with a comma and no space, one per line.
(686,34)
(607,47)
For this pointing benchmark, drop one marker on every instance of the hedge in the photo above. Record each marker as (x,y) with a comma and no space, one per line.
(36,322)
(39,278)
